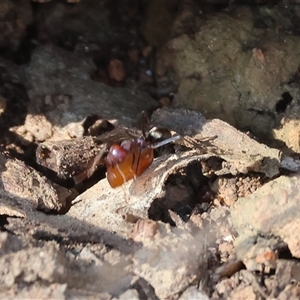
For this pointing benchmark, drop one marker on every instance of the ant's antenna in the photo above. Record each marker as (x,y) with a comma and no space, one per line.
(166,141)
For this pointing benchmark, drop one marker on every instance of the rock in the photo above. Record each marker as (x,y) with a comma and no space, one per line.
(287,272)
(242,285)
(27,266)
(230,189)
(9,243)
(259,254)
(116,70)
(193,293)
(144,229)
(129,294)
(270,211)
(38,291)
(226,189)
(46,269)
(171,262)
(24,189)
(62,95)
(290,292)
(288,133)
(224,72)
(243,293)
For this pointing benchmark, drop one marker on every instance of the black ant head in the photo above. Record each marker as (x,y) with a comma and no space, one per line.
(156,135)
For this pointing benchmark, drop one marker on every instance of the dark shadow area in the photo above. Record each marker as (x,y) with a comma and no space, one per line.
(283,103)
(145,290)
(3,222)
(184,190)
(22,54)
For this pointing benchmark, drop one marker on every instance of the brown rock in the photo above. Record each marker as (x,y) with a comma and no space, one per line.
(116,70)
(144,229)
(271,210)
(243,80)
(28,189)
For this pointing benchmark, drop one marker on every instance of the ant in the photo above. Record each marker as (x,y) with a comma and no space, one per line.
(132,157)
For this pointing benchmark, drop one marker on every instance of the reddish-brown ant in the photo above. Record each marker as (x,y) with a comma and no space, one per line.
(133,157)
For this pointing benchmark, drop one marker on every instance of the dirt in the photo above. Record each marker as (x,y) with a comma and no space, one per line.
(215,215)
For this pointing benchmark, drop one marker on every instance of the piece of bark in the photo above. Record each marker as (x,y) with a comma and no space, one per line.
(27,189)
(77,158)
(241,153)
(228,269)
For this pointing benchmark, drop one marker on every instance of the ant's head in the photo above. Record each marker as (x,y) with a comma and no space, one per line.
(158,137)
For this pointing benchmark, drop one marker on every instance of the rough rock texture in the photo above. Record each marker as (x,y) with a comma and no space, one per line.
(23,188)
(62,95)
(171,262)
(47,271)
(28,266)
(230,189)
(259,214)
(193,293)
(288,129)
(237,66)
